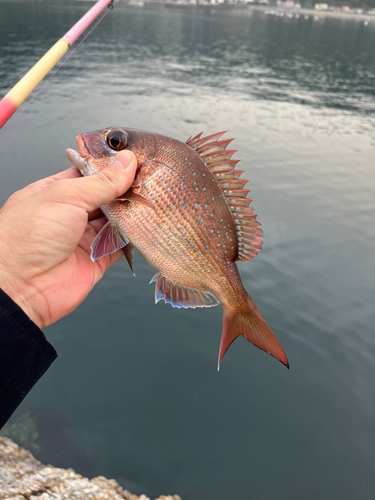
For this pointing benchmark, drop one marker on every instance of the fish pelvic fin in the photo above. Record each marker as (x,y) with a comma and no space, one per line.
(108,240)
(128,253)
(249,323)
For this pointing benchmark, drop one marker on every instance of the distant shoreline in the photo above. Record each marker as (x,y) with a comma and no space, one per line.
(313,13)
(270,10)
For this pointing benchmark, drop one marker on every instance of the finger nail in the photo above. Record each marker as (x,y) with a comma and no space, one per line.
(123,159)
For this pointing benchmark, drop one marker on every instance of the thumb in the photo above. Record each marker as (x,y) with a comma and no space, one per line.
(109,183)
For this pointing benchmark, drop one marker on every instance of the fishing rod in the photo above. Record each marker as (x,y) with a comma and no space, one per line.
(17,95)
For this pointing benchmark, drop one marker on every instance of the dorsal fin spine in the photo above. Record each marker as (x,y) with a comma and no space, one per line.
(205,140)
(221,166)
(232,183)
(218,156)
(228,174)
(190,142)
(237,201)
(213,147)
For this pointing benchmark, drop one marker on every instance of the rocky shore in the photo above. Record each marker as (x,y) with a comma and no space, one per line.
(22,477)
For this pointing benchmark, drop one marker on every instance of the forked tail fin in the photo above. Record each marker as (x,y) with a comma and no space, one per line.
(249,323)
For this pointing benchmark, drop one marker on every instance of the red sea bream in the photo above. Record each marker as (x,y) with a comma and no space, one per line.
(188,214)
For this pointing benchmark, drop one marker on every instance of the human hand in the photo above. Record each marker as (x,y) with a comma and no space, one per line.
(46,232)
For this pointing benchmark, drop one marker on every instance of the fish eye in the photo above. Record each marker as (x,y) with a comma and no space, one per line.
(117,140)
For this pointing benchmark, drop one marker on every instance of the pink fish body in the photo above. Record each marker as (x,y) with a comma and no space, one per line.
(188,214)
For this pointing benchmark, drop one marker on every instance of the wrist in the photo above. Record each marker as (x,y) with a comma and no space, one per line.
(22,295)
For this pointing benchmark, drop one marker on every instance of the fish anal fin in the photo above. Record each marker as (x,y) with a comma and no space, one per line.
(181,296)
(249,323)
(108,240)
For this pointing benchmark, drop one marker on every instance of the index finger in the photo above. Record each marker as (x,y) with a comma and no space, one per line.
(70,173)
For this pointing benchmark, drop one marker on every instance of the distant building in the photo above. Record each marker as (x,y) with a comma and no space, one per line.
(288,4)
(321,6)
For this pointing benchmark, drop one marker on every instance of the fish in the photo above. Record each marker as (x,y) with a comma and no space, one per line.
(188,214)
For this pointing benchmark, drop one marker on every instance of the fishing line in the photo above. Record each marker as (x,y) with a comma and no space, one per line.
(18,113)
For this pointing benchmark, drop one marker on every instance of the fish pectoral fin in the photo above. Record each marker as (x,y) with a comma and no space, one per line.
(136,198)
(181,296)
(128,252)
(108,240)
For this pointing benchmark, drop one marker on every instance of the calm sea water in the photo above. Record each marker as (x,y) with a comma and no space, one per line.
(135,394)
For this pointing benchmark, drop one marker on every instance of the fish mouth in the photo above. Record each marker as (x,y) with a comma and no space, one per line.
(80,158)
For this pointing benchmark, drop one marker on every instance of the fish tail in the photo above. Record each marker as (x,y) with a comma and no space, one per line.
(249,322)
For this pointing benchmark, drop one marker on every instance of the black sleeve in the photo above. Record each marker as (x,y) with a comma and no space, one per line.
(25,355)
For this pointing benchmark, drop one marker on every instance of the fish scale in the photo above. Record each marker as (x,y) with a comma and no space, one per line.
(167,243)
(188,214)
(193,229)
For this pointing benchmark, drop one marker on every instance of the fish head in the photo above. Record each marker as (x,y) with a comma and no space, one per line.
(97,150)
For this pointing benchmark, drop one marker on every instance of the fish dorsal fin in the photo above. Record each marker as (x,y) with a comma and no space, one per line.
(181,296)
(218,159)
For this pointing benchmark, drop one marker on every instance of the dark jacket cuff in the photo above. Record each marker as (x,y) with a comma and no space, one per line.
(25,355)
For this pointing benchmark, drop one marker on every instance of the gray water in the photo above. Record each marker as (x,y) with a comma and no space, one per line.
(134,394)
